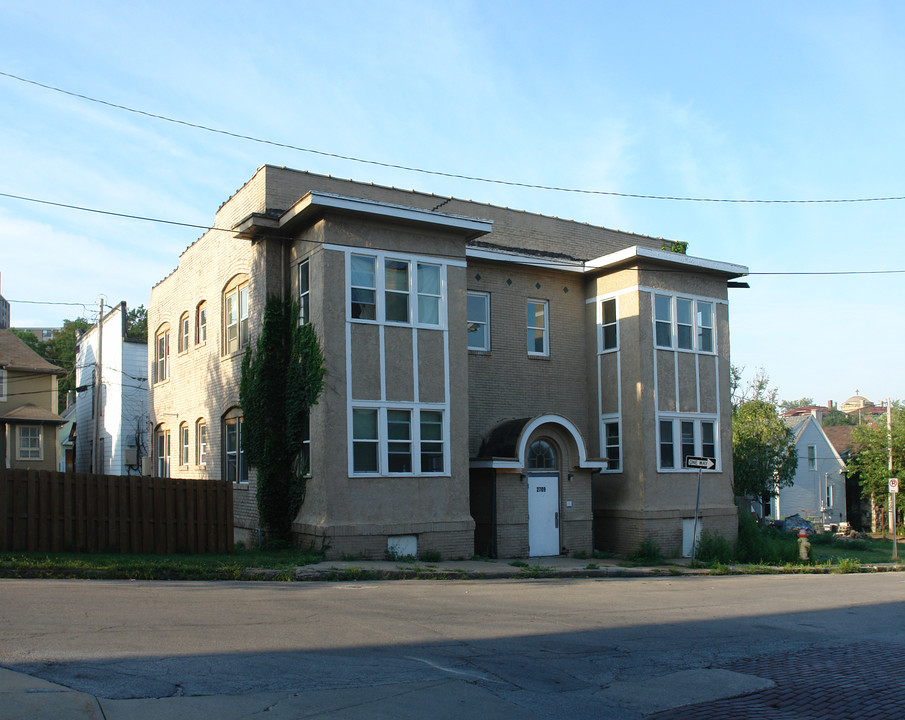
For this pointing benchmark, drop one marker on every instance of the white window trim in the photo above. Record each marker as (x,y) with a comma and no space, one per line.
(609,420)
(304,297)
(600,325)
(677,419)
(546,328)
(674,323)
(19,448)
(413,261)
(2,385)
(486,297)
(383,439)
(811,460)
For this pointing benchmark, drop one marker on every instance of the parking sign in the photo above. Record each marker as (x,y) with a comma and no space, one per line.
(893,485)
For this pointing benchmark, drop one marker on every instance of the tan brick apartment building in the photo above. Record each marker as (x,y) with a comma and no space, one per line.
(498,382)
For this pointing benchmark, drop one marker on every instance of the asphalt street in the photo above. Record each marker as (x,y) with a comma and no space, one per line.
(554,648)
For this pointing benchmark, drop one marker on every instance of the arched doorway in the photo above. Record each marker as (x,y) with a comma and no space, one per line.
(542,464)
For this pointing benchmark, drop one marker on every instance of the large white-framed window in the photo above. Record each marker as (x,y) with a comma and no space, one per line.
(304,293)
(663,320)
(162,354)
(399,441)
(235,313)
(363,284)
(432,454)
(201,442)
(393,440)
(163,452)
(235,469)
(429,279)
(684,323)
(478,314)
(365,441)
(397,290)
(612,443)
(538,328)
(609,334)
(396,277)
(29,445)
(686,435)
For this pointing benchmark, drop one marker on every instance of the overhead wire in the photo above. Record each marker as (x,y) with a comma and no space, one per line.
(439,173)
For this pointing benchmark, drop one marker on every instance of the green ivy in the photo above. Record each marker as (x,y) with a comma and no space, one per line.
(282,378)
(676,246)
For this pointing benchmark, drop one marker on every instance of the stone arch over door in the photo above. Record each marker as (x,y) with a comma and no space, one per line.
(503,465)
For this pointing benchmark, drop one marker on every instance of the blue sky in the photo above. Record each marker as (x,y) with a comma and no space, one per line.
(769,101)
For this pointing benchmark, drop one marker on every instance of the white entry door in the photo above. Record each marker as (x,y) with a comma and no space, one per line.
(543,514)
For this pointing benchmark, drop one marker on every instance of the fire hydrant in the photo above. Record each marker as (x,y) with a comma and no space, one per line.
(804,546)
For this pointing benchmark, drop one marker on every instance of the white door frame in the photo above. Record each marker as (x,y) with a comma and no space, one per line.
(543,513)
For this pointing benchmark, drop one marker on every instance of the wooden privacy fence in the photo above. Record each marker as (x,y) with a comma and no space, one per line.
(45,511)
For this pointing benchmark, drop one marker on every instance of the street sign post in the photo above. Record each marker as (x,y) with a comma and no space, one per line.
(701,463)
(893,490)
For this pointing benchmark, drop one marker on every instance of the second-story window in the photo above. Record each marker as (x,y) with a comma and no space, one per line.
(304,293)
(429,294)
(396,295)
(184,332)
(478,321)
(663,320)
(236,312)
(609,339)
(364,287)
(162,354)
(201,323)
(538,330)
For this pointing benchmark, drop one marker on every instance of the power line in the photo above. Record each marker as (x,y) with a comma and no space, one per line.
(439,173)
(513,252)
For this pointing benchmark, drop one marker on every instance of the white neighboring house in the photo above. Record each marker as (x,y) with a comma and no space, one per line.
(818,489)
(123,417)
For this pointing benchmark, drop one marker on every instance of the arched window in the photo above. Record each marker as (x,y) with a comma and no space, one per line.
(162,353)
(201,442)
(162,436)
(201,323)
(184,332)
(234,468)
(541,455)
(184,443)
(235,314)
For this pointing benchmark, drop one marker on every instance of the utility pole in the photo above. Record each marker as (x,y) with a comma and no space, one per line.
(98,390)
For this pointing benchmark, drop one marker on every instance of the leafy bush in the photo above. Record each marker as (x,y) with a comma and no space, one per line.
(648,553)
(756,544)
(713,548)
(822,539)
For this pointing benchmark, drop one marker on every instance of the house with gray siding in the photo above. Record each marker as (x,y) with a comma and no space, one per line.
(817,491)
(498,382)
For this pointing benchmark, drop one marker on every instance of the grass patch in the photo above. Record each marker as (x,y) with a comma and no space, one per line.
(866,551)
(232,566)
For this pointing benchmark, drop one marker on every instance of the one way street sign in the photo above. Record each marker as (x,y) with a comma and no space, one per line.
(704,463)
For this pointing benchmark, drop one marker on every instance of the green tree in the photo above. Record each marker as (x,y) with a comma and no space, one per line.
(30,339)
(870,460)
(60,350)
(764,457)
(793,404)
(137,323)
(834,416)
(282,378)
